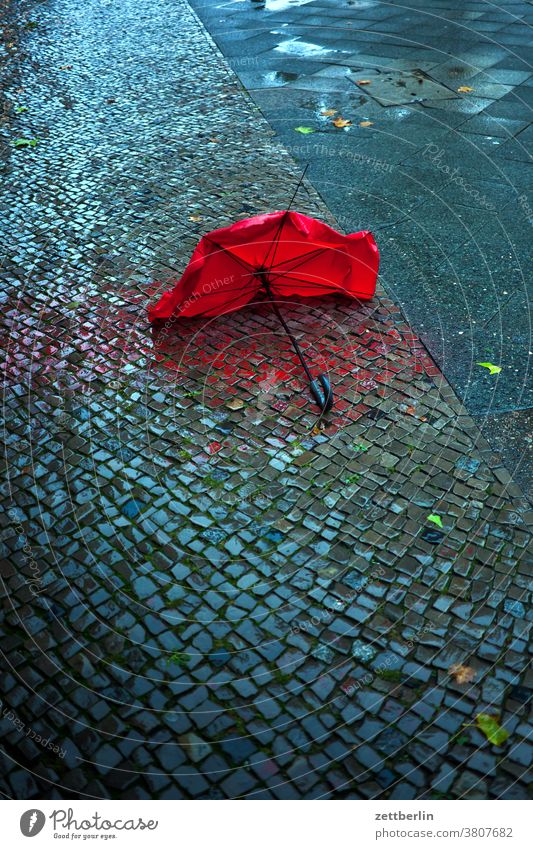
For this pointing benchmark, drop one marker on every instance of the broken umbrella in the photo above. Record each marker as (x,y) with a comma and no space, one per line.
(276,255)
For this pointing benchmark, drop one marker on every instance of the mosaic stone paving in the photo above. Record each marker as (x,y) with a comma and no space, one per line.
(209,592)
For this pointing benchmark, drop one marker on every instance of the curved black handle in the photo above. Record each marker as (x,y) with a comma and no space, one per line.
(324,399)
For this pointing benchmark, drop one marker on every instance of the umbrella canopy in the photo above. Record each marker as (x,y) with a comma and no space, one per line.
(279,254)
(300,255)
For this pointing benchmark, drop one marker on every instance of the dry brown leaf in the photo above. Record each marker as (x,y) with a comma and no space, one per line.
(214,139)
(235,404)
(329,112)
(365,123)
(341,122)
(465,88)
(363,82)
(462,674)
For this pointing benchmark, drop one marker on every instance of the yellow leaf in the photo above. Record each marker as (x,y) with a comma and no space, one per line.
(195,217)
(491,367)
(329,112)
(363,82)
(436,519)
(465,88)
(341,122)
(492,729)
(365,123)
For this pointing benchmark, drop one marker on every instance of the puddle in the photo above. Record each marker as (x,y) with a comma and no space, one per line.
(295,47)
(278,78)
(273,5)
(282,5)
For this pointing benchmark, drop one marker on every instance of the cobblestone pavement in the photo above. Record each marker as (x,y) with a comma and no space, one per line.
(207,592)
(441,175)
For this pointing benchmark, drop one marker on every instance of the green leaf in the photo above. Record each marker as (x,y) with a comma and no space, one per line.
(360,447)
(492,729)
(435,519)
(179,657)
(24,142)
(304,130)
(18,109)
(491,367)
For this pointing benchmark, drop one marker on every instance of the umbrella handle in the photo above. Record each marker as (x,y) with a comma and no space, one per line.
(324,399)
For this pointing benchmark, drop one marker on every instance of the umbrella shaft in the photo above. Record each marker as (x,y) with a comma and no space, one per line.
(289,333)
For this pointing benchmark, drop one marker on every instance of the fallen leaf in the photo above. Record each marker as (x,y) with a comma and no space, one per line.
(214,139)
(436,519)
(65,68)
(341,122)
(365,123)
(492,368)
(195,217)
(492,729)
(329,112)
(363,82)
(464,88)
(24,142)
(360,447)
(235,404)
(179,657)
(18,109)
(462,674)
(462,740)
(411,411)
(304,130)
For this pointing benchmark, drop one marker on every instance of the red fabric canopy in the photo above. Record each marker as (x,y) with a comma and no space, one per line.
(296,255)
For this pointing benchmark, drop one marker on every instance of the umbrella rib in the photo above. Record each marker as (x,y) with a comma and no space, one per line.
(307,254)
(304,258)
(277,236)
(242,262)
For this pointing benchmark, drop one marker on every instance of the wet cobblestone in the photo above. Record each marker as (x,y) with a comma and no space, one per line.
(184,579)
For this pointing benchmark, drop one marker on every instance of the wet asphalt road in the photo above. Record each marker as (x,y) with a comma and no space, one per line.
(442,178)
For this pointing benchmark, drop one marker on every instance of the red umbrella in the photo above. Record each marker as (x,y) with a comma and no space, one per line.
(279,254)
